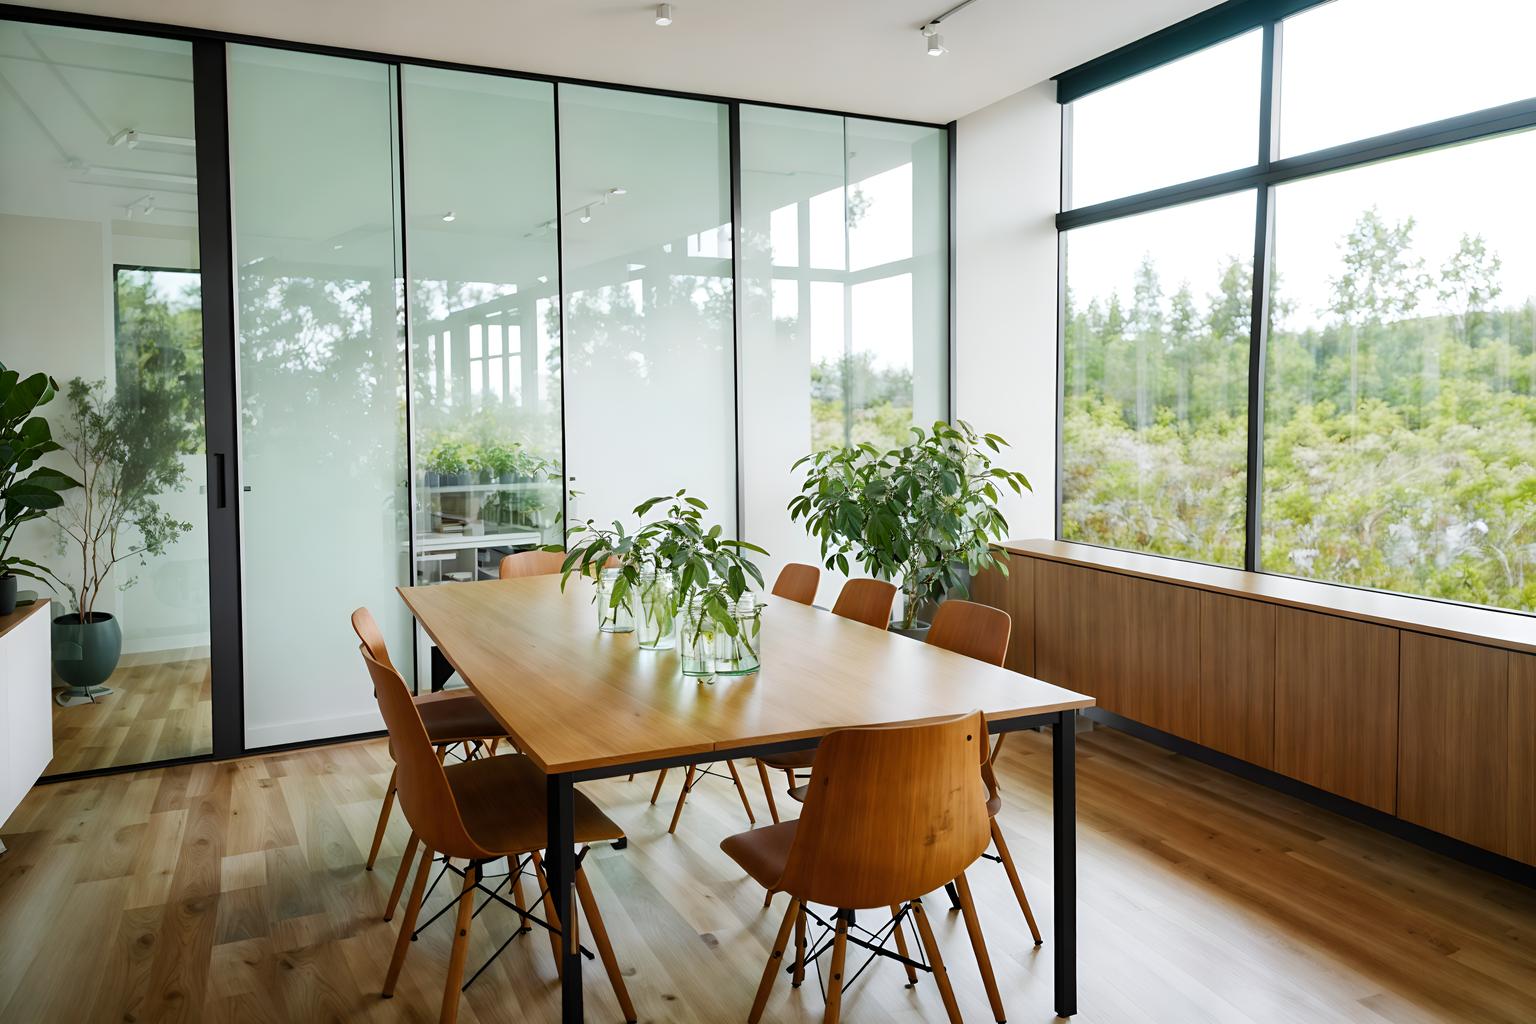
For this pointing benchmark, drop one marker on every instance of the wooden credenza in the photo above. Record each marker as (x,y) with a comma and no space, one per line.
(26,702)
(1419,709)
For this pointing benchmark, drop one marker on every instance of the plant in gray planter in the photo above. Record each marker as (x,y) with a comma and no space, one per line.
(126,449)
(27,491)
(924,514)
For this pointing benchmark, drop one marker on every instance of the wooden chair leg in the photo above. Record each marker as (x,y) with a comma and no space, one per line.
(495,742)
(515,864)
(401,874)
(901,947)
(681,799)
(979,947)
(383,825)
(408,923)
(762,774)
(775,959)
(799,976)
(451,992)
(835,977)
(742,792)
(1013,878)
(604,946)
(660,778)
(548,899)
(997,748)
(936,961)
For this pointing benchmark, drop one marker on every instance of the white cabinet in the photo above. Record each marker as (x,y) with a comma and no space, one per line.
(26,721)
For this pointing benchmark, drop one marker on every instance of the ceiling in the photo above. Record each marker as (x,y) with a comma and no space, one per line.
(863,56)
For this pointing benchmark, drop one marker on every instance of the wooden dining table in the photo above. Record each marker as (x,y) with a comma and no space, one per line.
(586,705)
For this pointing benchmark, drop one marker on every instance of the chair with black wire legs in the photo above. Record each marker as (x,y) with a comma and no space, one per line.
(891,814)
(479,811)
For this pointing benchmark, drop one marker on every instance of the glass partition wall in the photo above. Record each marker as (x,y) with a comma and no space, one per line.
(448,313)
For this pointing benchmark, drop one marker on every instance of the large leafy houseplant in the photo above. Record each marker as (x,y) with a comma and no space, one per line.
(924,514)
(27,491)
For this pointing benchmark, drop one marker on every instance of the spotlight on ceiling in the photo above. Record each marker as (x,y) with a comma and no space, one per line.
(618,190)
(450,217)
(935,42)
(586,214)
(663,15)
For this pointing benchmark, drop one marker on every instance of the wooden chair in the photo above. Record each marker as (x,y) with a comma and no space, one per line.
(981,632)
(797,582)
(450,717)
(892,813)
(866,601)
(531,563)
(479,811)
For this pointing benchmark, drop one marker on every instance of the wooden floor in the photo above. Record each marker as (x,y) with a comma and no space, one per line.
(235,892)
(161,709)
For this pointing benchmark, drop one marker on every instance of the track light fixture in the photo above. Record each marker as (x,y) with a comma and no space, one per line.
(936,47)
(663,15)
(932,41)
(450,217)
(586,214)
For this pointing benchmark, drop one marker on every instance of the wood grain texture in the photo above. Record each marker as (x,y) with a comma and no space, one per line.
(1336,701)
(1306,917)
(574,698)
(1014,594)
(21,614)
(1511,630)
(1453,739)
(1132,644)
(1237,678)
(1522,758)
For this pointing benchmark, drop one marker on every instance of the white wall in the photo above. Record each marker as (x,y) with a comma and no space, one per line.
(1007,192)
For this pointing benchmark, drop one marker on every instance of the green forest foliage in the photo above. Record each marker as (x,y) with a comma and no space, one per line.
(1400,435)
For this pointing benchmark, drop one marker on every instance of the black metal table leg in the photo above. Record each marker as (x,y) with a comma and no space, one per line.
(441,671)
(1064,818)
(560,866)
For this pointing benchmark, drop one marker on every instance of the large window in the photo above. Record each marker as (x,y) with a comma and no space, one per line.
(1393,442)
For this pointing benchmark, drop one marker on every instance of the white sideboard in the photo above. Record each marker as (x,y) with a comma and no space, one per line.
(26,715)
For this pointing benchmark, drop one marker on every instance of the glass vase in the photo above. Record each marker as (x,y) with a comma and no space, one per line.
(655,612)
(740,654)
(696,640)
(615,616)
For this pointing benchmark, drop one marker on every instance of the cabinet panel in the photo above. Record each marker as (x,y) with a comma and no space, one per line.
(1237,677)
(1131,643)
(1014,594)
(1522,757)
(1453,739)
(1336,700)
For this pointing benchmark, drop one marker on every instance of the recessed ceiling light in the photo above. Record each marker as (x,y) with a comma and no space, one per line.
(450,217)
(663,14)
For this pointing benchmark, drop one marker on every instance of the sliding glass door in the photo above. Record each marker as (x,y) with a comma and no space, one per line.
(320,343)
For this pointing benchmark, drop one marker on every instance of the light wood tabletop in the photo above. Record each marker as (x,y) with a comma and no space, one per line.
(576,699)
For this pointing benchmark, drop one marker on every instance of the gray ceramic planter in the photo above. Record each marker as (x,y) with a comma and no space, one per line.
(85,654)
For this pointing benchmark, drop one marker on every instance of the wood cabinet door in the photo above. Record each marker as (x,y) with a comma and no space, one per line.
(1014,594)
(1336,700)
(1237,677)
(1453,739)
(1522,757)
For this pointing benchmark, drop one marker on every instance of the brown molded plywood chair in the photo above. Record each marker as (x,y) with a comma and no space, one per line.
(866,601)
(531,563)
(891,813)
(797,582)
(479,811)
(450,718)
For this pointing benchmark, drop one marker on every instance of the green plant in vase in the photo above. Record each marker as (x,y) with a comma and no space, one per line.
(25,496)
(924,514)
(450,458)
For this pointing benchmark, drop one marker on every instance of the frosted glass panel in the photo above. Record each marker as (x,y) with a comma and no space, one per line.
(322,385)
(648,317)
(845,299)
(485,342)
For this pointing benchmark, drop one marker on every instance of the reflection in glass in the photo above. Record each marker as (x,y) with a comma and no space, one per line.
(1400,400)
(648,305)
(322,384)
(1184,120)
(485,343)
(1155,348)
(99,244)
(844,328)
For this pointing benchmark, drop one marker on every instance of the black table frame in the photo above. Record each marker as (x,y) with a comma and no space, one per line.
(560,859)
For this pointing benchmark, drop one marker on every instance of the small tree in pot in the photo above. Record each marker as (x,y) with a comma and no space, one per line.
(924,514)
(24,495)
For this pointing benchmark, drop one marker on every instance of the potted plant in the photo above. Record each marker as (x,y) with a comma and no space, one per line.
(126,449)
(449,459)
(499,461)
(27,491)
(924,514)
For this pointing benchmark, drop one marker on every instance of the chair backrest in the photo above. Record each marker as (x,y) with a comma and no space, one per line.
(891,813)
(866,601)
(975,630)
(797,582)
(368,631)
(531,563)
(423,786)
